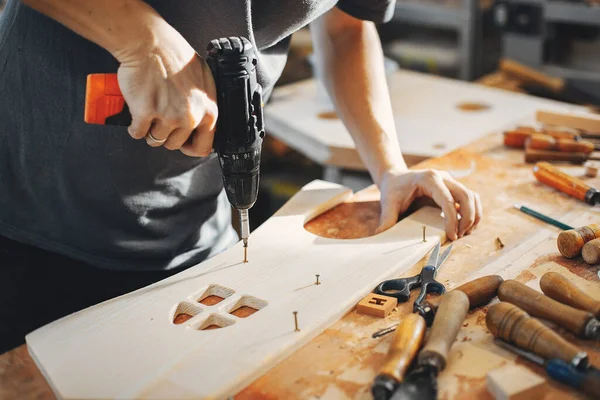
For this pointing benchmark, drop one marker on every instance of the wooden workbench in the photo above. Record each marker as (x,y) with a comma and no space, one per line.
(342,362)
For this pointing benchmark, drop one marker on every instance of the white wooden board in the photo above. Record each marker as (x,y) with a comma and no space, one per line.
(428,122)
(129,347)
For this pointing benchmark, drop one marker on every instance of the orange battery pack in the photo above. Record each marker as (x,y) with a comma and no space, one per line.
(104,103)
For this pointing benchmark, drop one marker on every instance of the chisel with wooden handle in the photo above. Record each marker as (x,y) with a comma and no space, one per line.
(559,288)
(507,321)
(449,317)
(534,156)
(479,291)
(517,137)
(405,345)
(538,305)
(421,383)
(555,178)
(539,141)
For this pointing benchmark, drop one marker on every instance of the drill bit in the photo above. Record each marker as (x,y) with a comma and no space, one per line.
(245,229)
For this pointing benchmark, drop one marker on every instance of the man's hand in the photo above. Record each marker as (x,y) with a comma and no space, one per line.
(169,89)
(171,94)
(399,189)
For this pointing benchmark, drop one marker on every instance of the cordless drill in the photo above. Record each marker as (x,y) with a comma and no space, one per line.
(240,125)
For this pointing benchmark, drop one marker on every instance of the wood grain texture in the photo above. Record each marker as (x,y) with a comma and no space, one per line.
(559,288)
(343,361)
(128,347)
(479,291)
(571,242)
(541,306)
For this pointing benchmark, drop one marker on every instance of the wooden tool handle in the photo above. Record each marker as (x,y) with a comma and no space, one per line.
(538,305)
(559,288)
(529,74)
(516,138)
(574,146)
(539,141)
(571,242)
(479,291)
(533,155)
(407,342)
(553,177)
(590,252)
(449,318)
(508,322)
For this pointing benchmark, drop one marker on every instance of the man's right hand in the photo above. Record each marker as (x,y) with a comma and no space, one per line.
(169,89)
(171,94)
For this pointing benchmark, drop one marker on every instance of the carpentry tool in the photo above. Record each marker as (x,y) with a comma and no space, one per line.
(542,217)
(559,288)
(240,127)
(404,347)
(421,383)
(579,322)
(533,156)
(588,380)
(401,288)
(518,137)
(540,141)
(479,291)
(509,322)
(553,177)
(590,252)
(571,242)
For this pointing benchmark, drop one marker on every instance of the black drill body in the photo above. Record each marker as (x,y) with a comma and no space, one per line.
(240,125)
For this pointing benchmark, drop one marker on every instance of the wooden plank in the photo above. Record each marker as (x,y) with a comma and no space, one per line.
(130,347)
(583,121)
(431,113)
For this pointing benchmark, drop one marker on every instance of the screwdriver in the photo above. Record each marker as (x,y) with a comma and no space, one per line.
(555,178)
(561,289)
(588,381)
(579,322)
(479,291)
(546,142)
(507,321)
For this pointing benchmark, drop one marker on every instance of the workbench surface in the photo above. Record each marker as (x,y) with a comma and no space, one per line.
(342,362)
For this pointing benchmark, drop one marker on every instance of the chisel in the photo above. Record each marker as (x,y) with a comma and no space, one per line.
(553,177)
(588,381)
(405,345)
(534,155)
(538,305)
(479,291)
(559,288)
(540,141)
(421,383)
(507,321)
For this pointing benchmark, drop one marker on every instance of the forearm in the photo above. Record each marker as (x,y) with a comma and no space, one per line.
(350,63)
(122,27)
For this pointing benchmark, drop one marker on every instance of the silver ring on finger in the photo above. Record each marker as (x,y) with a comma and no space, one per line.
(155,140)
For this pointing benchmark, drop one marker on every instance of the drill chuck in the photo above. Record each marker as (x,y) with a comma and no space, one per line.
(240,125)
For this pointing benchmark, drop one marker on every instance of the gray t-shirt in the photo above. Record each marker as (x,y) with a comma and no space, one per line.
(91,192)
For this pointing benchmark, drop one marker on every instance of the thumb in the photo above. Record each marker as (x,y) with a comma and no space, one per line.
(390,210)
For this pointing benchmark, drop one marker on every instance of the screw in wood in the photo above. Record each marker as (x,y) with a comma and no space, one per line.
(296,321)
(424,238)
(317,282)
